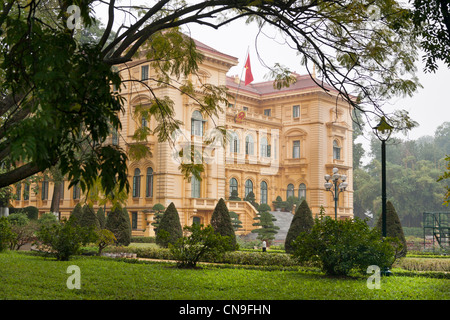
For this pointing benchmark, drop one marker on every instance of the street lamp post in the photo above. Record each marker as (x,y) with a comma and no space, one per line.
(383,131)
(338,186)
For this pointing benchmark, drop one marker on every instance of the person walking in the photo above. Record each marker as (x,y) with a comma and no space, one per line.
(264,246)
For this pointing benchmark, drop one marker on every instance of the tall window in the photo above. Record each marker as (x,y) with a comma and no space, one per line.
(249,145)
(115,137)
(233,185)
(149,183)
(234,145)
(76,192)
(144,122)
(144,73)
(134,218)
(44,191)
(267,112)
(336,150)
(137,183)
(290,191)
(26,191)
(302,191)
(264,147)
(296,111)
(61,190)
(248,187)
(296,149)
(263,192)
(195,187)
(18,191)
(197,124)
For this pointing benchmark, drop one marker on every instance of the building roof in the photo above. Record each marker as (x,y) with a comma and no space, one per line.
(266,88)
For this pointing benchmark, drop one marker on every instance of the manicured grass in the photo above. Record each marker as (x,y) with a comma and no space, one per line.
(26,276)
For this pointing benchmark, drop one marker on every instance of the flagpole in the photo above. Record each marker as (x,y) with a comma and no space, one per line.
(240,78)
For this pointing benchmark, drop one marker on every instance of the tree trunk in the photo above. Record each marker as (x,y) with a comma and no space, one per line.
(54,208)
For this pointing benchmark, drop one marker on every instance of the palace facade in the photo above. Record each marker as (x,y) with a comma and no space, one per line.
(282,143)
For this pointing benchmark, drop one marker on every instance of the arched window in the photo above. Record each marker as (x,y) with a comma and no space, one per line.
(234,143)
(248,187)
(336,150)
(137,183)
(149,183)
(264,192)
(195,187)
(233,186)
(76,191)
(302,191)
(290,191)
(249,145)
(197,124)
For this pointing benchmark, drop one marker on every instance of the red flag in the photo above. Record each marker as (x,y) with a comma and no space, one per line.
(248,71)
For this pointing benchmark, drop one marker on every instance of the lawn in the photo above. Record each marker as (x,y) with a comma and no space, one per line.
(27,276)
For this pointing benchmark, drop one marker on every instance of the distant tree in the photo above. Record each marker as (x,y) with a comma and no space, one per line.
(268,229)
(301,222)
(76,213)
(234,196)
(89,218)
(393,227)
(101,218)
(169,229)
(118,222)
(158,210)
(221,222)
(235,222)
(278,203)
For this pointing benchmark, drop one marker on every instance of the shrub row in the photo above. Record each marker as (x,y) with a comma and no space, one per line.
(230,257)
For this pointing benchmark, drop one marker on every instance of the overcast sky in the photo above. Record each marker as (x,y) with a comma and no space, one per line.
(430,106)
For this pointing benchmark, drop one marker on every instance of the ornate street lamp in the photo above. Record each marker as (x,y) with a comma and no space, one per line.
(339,186)
(383,131)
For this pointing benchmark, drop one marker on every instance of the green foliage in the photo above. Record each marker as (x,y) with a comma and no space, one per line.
(199,242)
(19,218)
(104,238)
(64,239)
(393,227)
(221,222)
(278,203)
(76,213)
(89,218)
(235,222)
(446,175)
(118,222)
(234,196)
(101,218)
(268,230)
(301,222)
(340,246)
(169,230)
(158,210)
(6,234)
(47,218)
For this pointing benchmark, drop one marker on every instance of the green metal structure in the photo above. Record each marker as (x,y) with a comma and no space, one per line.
(437,225)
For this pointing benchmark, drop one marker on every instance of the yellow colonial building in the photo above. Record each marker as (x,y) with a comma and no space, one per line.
(282,143)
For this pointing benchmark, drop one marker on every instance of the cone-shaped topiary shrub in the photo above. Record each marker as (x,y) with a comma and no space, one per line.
(76,214)
(118,222)
(169,229)
(88,217)
(301,222)
(393,227)
(221,222)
